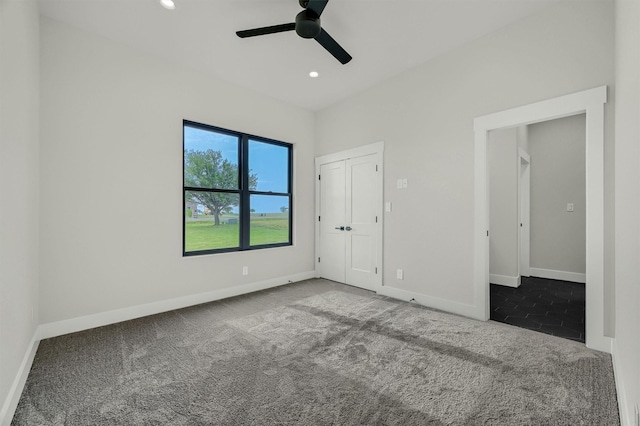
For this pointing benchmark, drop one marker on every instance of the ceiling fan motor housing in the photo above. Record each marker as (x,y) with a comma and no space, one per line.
(307,24)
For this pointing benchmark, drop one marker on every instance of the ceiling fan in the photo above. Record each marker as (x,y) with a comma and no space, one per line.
(307,25)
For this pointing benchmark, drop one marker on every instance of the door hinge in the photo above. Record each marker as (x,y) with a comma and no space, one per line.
(487,233)
(318,218)
(318,177)
(376,167)
(376,270)
(318,260)
(376,219)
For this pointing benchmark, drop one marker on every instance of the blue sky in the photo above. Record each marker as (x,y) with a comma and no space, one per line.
(268,162)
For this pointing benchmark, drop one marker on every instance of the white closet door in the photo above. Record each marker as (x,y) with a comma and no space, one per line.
(360,230)
(332,221)
(348,206)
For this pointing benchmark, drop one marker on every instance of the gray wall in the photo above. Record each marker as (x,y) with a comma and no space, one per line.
(425,116)
(502,157)
(19,207)
(523,138)
(627,201)
(558,237)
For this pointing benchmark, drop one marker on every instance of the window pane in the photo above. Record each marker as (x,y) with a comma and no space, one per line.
(269,219)
(269,167)
(211,221)
(210,159)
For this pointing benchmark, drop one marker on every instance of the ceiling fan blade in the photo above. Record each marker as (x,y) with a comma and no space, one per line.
(333,47)
(317,6)
(266,30)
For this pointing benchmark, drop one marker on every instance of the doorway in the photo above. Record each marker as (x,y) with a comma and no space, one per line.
(524,213)
(349,216)
(508,168)
(547,219)
(550,297)
(591,102)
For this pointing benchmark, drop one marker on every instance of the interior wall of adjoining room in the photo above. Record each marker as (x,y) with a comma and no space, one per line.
(111,177)
(627,206)
(522,138)
(425,117)
(558,236)
(502,160)
(19,207)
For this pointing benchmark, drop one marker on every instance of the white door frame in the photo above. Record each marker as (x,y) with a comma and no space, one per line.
(377,149)
(591,102)
(524,214)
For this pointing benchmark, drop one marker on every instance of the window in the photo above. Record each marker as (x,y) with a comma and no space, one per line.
(236,191)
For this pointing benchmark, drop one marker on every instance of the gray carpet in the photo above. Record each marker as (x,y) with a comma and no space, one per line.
(315,353)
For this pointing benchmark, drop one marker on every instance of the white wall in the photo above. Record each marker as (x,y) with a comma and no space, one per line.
(522,138)
(111,177)
(19,208)
(502,157)
(558,237)
(627,201)
(425,116)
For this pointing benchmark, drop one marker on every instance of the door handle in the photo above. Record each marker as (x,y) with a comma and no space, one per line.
(340,228)
(348,228)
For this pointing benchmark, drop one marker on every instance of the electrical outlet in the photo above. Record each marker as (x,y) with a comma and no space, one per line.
(399,184)
(569,207)
(387,207)
(400,274)
(245,270)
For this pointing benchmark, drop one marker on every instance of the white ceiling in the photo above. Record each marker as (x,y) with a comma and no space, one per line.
(385,37)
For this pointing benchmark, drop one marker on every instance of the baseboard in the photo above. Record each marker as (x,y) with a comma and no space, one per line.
(558,275)
(623,404)
(11,402)
(462,309)
(504,280)
(73,325)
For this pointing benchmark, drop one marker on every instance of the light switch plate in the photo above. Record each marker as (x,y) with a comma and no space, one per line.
(387,207)
(400,274)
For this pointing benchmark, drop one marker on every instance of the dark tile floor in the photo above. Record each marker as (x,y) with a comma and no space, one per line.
(549,306)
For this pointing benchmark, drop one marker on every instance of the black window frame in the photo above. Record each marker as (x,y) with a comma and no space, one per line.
(244,243)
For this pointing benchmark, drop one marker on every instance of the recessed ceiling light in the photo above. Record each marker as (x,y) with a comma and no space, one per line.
(313,74)
(168,4)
